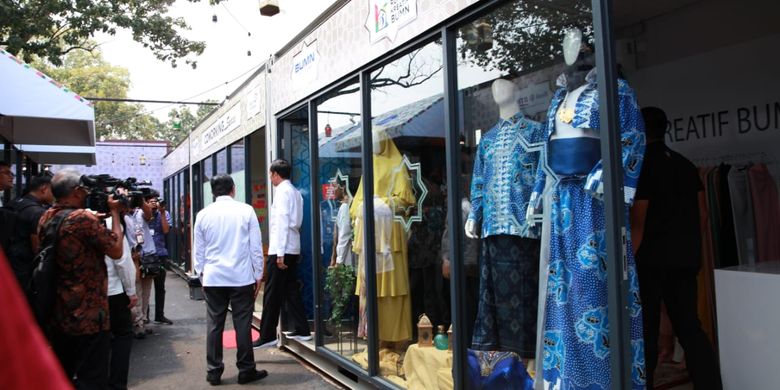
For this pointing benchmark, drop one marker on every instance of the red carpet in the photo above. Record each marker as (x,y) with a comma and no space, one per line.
(229,338)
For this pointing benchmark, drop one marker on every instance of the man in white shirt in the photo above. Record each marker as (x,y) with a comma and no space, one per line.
(229,260)
(121,299)
(281,286)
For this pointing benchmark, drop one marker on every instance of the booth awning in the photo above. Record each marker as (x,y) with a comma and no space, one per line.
(36,111)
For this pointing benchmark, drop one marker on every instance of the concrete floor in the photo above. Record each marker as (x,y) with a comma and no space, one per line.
(174,356)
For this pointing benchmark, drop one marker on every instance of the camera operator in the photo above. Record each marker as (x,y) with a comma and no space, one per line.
(161,225)
(80,318)
(142,241)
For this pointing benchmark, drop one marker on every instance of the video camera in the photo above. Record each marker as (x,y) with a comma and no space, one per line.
(101,186)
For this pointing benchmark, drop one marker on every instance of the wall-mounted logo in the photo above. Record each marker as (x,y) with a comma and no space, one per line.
(305,65)
(386,17)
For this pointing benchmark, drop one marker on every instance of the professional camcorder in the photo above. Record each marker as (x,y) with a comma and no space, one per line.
(101,186)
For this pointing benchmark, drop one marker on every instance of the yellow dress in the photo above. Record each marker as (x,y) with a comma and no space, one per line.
(392,186)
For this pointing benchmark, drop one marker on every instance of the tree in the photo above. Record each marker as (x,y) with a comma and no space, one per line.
(524,35)
(52,29)
(89,74)
(181,121)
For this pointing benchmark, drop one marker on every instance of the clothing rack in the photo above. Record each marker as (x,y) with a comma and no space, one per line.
(735,159)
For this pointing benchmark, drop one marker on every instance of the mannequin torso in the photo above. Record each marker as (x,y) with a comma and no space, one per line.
(566,130)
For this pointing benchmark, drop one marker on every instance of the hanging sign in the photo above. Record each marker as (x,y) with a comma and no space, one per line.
(305,64)
(386,17)
(225,124)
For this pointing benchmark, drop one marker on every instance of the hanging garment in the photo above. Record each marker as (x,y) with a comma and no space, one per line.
(508,295)
(503,177)
(728,238)
(393,188)
(744,221)
(766,207)
(706,285)
(576,323)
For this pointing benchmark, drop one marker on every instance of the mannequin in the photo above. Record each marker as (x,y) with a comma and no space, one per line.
(576,330)
(393,193)
(502,181)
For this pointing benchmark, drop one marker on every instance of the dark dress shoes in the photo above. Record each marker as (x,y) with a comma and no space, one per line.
(251,376)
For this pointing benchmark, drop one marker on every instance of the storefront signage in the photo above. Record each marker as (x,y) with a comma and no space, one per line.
(254,99)
(225,124)
(386,17)
(305,64)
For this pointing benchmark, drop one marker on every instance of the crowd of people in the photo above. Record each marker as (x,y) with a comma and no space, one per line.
(106,264)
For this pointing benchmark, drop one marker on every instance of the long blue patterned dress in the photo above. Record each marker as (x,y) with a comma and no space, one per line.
(576,333)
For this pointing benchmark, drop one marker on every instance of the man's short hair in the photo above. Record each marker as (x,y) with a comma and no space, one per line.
(281,167)
(655,122)
(221,185)
(38,182)
(64,182)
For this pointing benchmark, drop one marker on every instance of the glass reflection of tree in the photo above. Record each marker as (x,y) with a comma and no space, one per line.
(523,35)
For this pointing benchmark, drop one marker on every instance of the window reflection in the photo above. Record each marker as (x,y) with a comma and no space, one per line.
(340,168)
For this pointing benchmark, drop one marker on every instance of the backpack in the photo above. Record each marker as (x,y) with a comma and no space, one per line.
(8,217)
(42,290)
(15,243)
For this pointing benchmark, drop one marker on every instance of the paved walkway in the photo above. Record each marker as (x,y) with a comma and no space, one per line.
(174,357)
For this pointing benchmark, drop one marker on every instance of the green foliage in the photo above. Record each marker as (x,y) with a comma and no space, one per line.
(524,35)
(89,74)
(53,28)
(187,121)
(340,286)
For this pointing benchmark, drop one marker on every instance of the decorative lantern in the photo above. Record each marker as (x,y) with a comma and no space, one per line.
(269,7)
(328,130)
(424,332)
(449,337)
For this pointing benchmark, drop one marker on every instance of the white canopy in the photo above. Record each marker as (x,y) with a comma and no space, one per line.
(37,113)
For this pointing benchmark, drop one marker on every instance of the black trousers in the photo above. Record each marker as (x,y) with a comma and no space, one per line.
(121,340)
(84,359)
(281,291)
(159,294)
(241,300)
(677,289)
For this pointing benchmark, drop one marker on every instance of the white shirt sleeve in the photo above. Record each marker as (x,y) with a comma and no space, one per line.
(126,269)
(344,228)
(199,259)
(281,215)
(255,245)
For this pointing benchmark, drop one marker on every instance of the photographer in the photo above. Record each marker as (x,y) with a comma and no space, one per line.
(80,317)
(161,225)
(142,241)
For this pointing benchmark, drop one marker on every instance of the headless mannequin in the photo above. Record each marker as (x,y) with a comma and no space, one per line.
(572,48)
(506,95)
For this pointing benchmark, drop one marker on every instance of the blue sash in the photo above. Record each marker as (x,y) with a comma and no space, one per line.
(573,156)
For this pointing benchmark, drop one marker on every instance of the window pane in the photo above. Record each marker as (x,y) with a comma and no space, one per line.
(238,169)
(208,171)
(408,133)
(338,119)
(222,167)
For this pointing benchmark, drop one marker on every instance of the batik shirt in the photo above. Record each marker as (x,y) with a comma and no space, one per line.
(81,306)
(504,174)
(632,137)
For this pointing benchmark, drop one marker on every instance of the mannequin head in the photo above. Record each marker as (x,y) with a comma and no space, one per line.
(504,92)
(578,57)
(378,138)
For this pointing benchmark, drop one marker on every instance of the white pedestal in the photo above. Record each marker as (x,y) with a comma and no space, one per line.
(748,307)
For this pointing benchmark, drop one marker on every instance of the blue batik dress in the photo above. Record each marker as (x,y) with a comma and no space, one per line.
(576,331)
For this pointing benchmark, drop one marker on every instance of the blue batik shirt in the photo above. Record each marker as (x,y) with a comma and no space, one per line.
(504,175)
(632,138)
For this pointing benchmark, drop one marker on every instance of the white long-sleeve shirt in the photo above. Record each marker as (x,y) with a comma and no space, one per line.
(285,221)
(344,243)
(121,272)
(228,244)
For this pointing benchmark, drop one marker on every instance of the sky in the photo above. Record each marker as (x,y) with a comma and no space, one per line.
(225,58)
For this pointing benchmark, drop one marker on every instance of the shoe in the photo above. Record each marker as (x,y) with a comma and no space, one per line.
(163,320)
(299,337)
(252,376)
(268,344)
(213,379)
(139,335)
